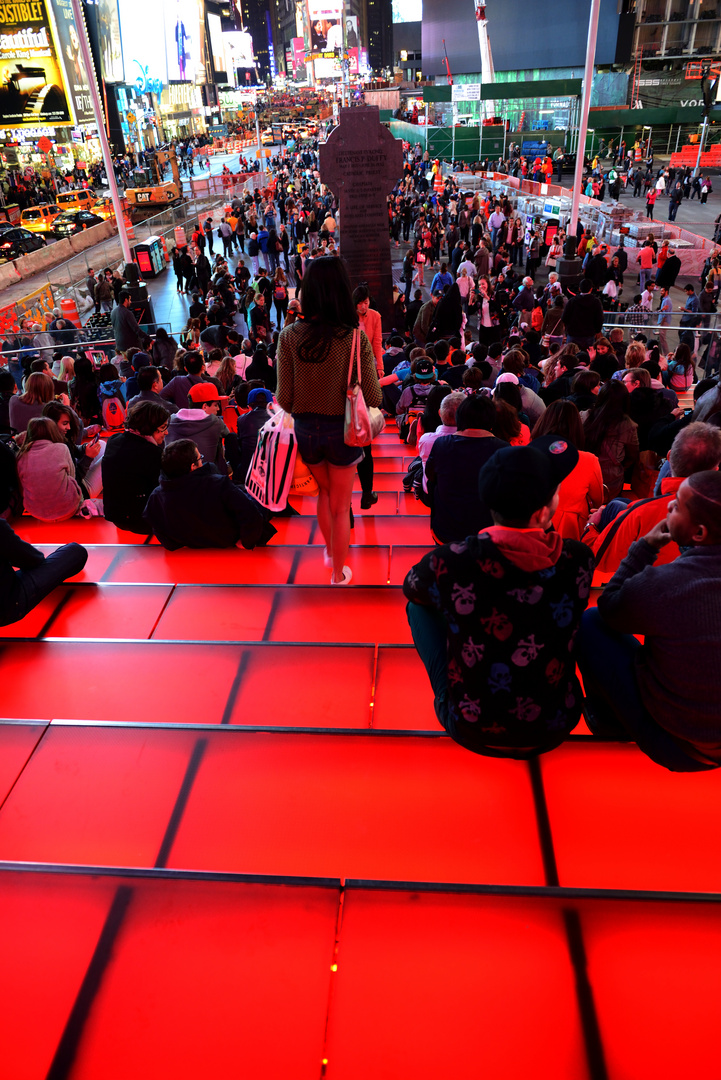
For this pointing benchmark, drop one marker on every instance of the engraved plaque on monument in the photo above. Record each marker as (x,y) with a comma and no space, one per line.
(360,163)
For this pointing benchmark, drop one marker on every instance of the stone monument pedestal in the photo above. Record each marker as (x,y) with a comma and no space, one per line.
(361,162)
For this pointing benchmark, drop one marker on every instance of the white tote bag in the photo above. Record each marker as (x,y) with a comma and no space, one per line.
(271,471)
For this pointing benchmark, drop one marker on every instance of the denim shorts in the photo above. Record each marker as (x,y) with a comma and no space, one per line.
(320,438)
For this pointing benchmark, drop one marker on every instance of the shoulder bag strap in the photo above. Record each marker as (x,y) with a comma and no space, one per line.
(352,354)
(358,355)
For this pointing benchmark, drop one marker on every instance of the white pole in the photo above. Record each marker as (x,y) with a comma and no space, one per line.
(505,125)
(260,148)
(102,135)
(583,119)
(700,146)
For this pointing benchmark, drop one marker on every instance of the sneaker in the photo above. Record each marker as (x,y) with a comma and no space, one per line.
(346,579)
(368,500)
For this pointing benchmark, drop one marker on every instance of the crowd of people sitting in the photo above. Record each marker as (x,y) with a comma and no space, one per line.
(545,450)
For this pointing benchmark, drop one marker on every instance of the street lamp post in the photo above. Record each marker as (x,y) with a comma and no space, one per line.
(102,135)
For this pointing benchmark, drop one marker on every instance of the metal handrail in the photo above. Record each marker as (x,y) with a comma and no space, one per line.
(70,345)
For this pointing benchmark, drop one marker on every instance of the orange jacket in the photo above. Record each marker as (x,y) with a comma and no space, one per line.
(611,545)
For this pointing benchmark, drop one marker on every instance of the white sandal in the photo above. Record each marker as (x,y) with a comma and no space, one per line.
(346,579)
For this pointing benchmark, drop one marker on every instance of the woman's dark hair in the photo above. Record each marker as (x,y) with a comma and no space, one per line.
(585,382)
(241,392)
(55,409)
(107,373)
(40,428)
(431,416)
(146,417)
(360,293)
(561,418)
(506,424)
(39,389)
(477,411)
(609,410)
(325,294)
(7,381)
(472,378)
(509,392)
(161,334)
(683,356)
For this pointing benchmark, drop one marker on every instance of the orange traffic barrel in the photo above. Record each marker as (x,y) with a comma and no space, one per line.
(70,312)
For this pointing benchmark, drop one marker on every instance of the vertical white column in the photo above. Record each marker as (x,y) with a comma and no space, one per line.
(583,118)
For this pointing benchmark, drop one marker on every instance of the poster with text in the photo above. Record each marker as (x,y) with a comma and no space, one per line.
(76,77)
(32,88)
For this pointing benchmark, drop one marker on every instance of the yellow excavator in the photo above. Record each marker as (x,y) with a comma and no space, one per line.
(148,191)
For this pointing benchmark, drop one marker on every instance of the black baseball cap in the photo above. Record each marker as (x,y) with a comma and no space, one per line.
(424,369)
(518,480)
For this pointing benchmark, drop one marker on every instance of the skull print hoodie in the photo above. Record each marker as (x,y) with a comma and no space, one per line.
(512,600)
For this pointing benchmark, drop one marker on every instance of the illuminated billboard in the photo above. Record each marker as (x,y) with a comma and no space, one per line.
(323,27)
(239,45)
(184,40)
(142,28)
(217,45)
(407,10)
(76,77)
(32,90)
(111,55)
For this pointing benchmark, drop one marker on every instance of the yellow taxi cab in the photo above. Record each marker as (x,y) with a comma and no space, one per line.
(76,200)
(39,219)
(103,208)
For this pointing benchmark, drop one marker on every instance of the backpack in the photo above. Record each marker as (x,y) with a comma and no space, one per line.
(112,405)
(409,427)
(280,292)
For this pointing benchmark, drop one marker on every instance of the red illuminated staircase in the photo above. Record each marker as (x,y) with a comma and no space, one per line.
(234,840)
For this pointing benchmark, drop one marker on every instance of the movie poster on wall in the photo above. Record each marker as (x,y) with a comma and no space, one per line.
(32,86)
(76,76)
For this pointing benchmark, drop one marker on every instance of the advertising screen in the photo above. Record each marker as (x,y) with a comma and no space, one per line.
(300,73)
(407,11)
(326,68)
(239,44)
(217,45)
(32,90)
(326,35)
(142,28)
(534,47)
(109,33)
(76,77)
(184,40)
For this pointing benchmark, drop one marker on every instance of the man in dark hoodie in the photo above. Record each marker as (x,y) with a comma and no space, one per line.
(494,617)
(194,506)
(201,421)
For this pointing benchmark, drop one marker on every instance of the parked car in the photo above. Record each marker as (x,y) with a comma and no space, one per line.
(17,241)
(39,219)
(74,221)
